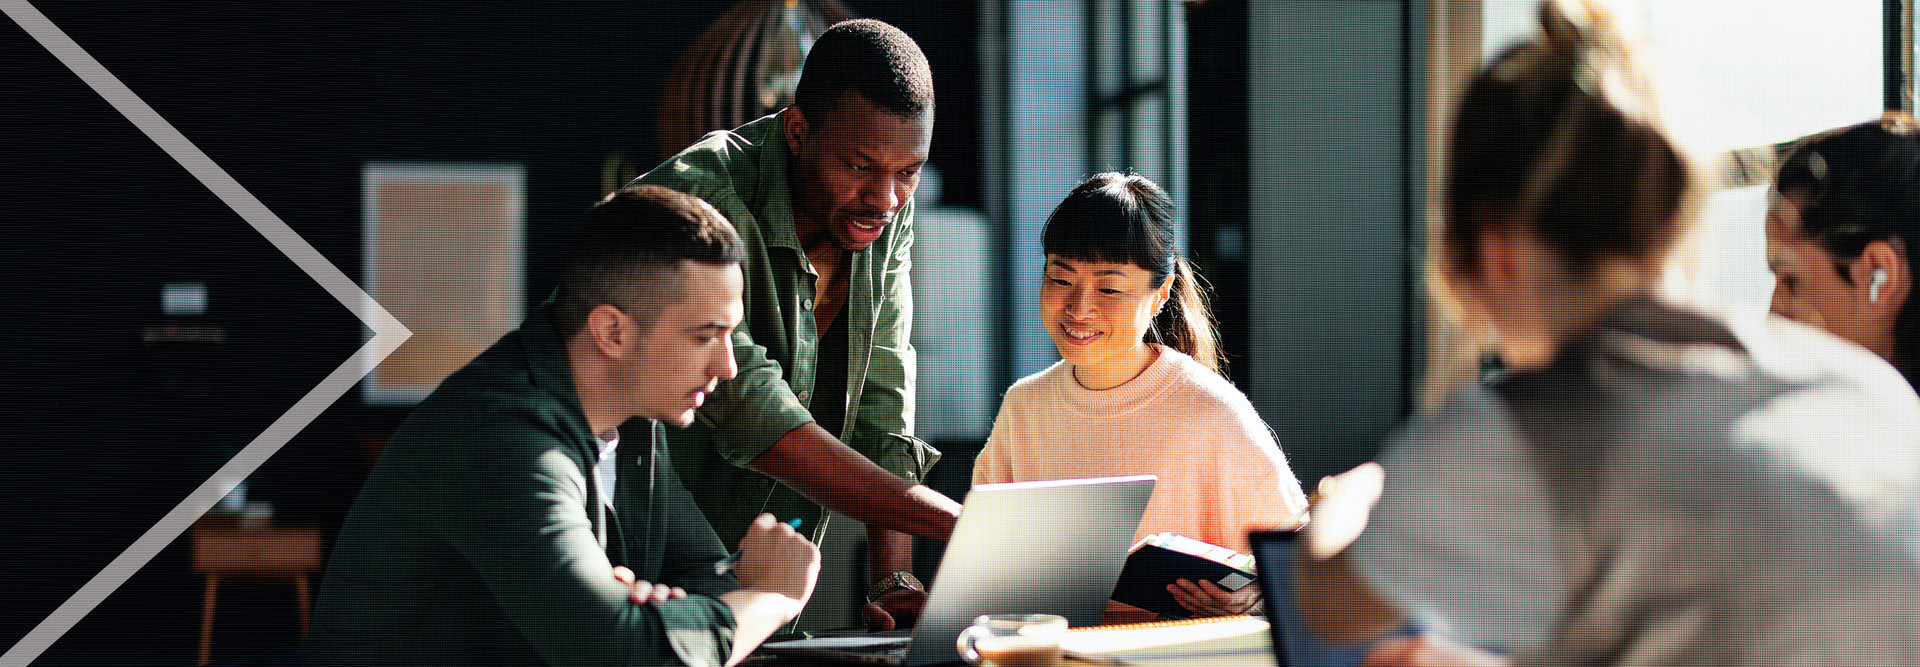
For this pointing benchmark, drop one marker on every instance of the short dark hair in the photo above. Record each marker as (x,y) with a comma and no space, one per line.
(1856,185)
(629,247)
(877,60)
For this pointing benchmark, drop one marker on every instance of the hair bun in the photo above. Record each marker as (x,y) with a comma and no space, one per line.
(1578,39)
(1584,38)
(1899,123)
(1571,26)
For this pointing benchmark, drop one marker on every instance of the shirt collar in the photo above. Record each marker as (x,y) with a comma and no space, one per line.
(547,356)
(1650,334)
(773,203)
(1649,318)
(607,444)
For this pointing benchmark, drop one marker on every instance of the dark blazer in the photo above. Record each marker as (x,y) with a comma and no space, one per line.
(480,537)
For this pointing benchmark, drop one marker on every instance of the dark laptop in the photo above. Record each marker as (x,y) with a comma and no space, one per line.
(1273,558)
(1293,642)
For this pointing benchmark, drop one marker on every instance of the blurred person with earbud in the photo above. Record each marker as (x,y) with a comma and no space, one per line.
(1846,203)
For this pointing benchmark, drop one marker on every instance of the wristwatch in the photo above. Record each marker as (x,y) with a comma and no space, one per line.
(900,579)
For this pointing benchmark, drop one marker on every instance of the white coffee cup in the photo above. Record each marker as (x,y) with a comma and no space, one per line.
(1013,640)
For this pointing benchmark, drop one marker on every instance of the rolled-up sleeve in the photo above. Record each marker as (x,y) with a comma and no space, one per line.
(753,410)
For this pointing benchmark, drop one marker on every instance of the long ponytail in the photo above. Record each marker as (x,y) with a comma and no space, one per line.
(1185,324)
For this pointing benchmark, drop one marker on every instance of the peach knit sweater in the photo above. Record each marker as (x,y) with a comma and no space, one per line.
(1221,472)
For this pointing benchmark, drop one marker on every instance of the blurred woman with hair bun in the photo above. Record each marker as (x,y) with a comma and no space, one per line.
(1648,486)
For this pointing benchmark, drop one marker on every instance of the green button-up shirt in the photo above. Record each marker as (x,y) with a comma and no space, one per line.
(743,173)
(481,538)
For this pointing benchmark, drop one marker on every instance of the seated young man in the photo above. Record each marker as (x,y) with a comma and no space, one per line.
(509,520)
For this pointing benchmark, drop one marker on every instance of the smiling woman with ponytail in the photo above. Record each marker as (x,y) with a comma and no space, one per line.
(1138,390)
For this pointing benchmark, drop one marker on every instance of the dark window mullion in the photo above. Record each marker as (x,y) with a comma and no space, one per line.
(1897,54)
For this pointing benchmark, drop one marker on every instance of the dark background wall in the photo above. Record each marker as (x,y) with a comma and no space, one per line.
(1217,122)
(104,434)
(1334,239)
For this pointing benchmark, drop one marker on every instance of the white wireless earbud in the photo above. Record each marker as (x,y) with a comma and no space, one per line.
(1873,285)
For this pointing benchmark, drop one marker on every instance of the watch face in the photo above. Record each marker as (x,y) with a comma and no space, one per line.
(892,581)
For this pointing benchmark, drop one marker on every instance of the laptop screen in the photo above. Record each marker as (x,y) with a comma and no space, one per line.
(1053,547)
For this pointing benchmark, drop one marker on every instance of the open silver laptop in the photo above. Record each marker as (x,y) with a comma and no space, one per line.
(1052,547)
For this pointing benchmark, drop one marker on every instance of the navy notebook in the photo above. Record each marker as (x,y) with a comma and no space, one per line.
(1151,568)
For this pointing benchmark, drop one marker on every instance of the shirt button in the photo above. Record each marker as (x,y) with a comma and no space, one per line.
(807,304)
(803,395)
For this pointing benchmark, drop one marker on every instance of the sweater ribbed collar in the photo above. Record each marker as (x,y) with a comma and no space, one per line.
(1130,396)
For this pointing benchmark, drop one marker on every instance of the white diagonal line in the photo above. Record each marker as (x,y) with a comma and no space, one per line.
(388,333)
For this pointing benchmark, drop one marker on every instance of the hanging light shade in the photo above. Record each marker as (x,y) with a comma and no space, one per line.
(744,66)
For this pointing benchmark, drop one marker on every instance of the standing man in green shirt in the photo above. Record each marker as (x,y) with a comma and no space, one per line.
(822,411)
(509,522)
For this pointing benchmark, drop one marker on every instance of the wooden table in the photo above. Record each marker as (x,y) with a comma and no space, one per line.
(224,546)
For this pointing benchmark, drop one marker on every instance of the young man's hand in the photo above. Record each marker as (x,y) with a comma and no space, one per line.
(776,559)
(644,592)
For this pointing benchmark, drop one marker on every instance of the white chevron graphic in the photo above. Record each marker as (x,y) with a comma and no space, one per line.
(389,333)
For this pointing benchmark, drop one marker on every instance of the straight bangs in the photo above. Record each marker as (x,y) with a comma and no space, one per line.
(1105,223)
